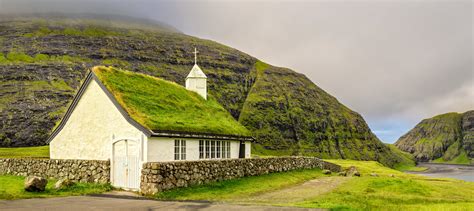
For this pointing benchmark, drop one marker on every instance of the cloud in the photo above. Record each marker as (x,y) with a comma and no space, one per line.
(395,62)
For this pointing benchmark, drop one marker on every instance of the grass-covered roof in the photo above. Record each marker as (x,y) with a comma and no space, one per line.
(161,105)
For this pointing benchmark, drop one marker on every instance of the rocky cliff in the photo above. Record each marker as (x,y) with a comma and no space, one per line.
(42,62)
(443,138)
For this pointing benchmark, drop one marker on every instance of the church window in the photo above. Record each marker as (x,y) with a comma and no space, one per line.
(180,149)
(207,149)
(183,149)
(224,149)
(213,149)
(201,149)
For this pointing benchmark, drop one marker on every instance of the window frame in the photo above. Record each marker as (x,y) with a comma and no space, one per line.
(179,149)
(218,149)
(213,149)
(183,149)
(207,150)
(201,149)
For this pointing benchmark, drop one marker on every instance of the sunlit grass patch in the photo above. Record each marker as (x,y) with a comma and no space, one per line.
(22,152)
(11,187)
(400,192)
(238,189)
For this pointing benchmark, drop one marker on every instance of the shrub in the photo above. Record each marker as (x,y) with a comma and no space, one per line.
(2,58)
(19,56)
(41,57)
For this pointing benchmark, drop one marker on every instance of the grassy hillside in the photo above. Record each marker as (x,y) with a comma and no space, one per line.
(446,138)
(310,121)
(25,152)
(408,161)
(44,61)
(162,105)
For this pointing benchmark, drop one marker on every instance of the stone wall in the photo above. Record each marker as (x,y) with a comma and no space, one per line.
(168,175)
(76,170)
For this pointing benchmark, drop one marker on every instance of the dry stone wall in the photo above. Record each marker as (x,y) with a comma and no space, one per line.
(76,170)
(161,176)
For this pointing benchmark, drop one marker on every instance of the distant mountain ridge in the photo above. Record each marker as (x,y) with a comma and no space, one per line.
(446,138)
(42,63)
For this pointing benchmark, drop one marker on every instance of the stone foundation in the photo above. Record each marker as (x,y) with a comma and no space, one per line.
(76,170)
(161,176)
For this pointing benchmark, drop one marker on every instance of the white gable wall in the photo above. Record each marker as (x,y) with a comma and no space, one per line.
(88,132)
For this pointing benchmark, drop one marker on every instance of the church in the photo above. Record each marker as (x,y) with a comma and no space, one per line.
(131,118)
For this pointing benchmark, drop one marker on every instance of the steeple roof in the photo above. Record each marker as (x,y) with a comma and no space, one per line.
(196,72)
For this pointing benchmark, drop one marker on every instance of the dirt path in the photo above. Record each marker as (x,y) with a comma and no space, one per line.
(298,193)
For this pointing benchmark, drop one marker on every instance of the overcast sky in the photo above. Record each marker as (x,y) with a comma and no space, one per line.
(394,62)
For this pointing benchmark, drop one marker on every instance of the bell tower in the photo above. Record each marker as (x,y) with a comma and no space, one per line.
(196,80)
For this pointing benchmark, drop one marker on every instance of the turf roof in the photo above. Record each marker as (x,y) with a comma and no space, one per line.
(161,105)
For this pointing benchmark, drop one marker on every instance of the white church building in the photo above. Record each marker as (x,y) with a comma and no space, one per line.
(100,125)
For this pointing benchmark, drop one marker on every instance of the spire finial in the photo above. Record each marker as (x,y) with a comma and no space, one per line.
(195,56)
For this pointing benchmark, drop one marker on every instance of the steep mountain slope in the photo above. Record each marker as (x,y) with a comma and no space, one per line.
(443,138)
(42,62)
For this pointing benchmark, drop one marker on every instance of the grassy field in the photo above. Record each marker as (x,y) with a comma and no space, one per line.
(401,192)
(22,152)
(390,190)
(241,188)
(11,187)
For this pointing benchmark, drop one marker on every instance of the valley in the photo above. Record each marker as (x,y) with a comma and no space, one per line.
(44,60)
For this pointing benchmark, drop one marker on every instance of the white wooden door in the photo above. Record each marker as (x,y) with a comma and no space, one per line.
(125,164)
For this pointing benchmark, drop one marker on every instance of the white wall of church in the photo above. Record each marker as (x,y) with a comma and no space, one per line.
(88,132)
(198,85)
(162,149)
(234,149)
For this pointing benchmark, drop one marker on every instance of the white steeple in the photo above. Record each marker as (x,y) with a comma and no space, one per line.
(196,80)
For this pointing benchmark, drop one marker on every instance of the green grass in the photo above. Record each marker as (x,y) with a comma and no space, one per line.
(238,189)
(401,192)
(391,190)
(11,187)
(21,152)
(89,31)
(407,160)
(409,167)
(462,158)
(259,151)
(163,105)
(116,62)
(21,57)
